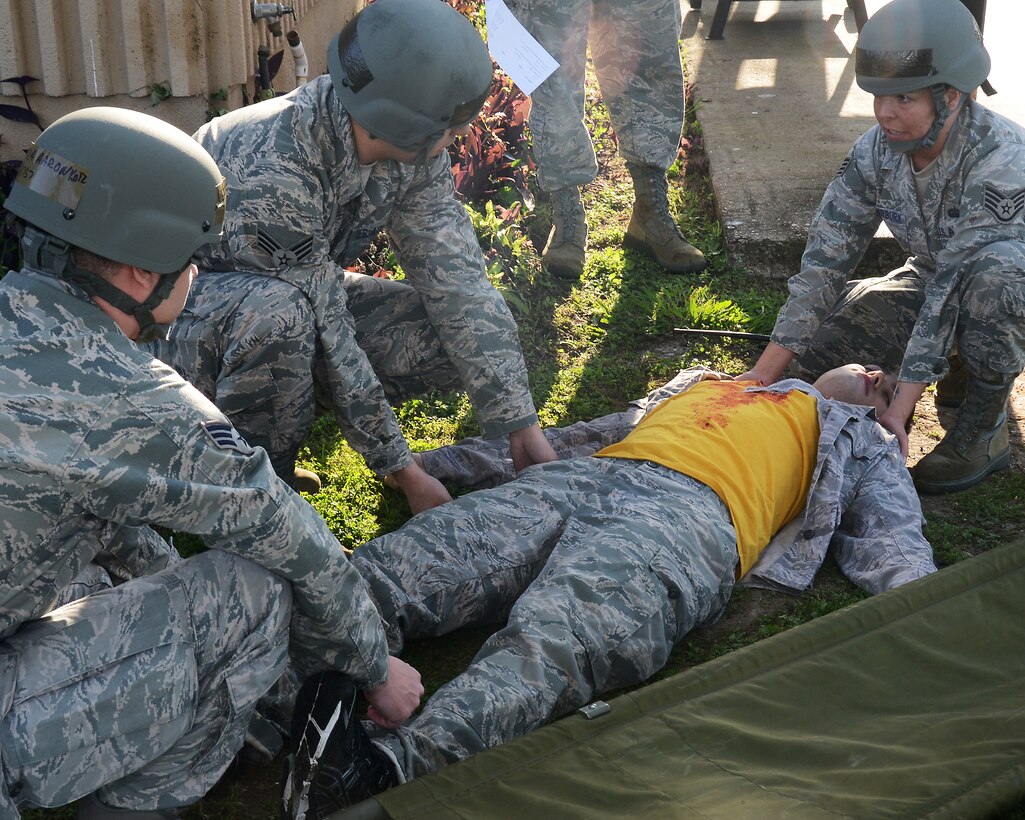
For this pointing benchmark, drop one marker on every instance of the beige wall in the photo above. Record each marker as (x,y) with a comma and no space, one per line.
(110,52)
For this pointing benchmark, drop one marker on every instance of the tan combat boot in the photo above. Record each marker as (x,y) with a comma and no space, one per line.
(563,255)
(652,229)
(975,447)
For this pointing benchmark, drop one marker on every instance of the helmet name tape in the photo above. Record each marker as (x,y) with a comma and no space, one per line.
(894,64)
(53,177)
(354,64)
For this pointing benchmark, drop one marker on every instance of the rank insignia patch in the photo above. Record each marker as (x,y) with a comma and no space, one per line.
(1005,207)
(226,437)
(282,257)
(843,165)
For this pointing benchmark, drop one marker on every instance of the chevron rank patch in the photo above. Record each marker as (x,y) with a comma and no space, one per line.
(226,437)
(280,256)
(1005,207)
(843,165)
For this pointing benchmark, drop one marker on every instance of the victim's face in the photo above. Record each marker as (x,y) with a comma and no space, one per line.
(858,384)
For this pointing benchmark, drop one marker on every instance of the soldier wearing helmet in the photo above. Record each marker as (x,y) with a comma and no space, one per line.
(947,177)
(128,676)
(313,178)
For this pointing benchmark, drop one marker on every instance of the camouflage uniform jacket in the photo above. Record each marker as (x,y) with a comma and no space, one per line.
(861,502)
(99,441)
(299,210)
(975,198)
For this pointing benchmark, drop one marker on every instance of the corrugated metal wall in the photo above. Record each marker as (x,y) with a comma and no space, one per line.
(103,48)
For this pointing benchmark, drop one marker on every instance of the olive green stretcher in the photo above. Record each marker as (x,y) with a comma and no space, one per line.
(908,704)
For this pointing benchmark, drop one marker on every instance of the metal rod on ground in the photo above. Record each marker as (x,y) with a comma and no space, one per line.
(732,334)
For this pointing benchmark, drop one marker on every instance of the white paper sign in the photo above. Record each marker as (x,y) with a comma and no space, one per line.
(520,55)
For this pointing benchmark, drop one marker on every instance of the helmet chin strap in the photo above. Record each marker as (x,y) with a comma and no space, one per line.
(943,113)
(423,155)
(47,253)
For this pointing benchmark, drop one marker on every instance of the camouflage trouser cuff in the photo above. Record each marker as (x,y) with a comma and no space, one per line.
(495,429)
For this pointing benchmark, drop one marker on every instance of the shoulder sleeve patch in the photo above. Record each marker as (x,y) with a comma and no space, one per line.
(280,256)
(226,437)
(843,165)
(1005,207)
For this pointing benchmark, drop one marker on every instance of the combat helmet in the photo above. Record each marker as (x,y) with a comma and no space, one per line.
(407,70)
(125,186)
(910,45)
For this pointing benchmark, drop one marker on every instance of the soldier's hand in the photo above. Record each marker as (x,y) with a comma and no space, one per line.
(396,699)
(422,490)
(528,446)
(895,424)
(754,376)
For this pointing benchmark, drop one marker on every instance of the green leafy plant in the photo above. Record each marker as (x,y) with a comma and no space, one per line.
(158,92)
(216,104)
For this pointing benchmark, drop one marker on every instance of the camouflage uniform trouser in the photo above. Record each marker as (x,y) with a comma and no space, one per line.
(143,691)
(635,47)
(248,342)
(873,320)
(600,565)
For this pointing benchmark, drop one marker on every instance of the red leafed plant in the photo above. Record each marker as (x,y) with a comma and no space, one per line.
(492,163)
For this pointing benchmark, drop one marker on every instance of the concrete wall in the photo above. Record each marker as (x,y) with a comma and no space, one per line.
(113,52)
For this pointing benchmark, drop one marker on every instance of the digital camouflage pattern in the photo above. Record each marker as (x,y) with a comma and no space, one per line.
(602,565)
(242,335)
(300,211)
(635,50)
(98,442)
(963,286)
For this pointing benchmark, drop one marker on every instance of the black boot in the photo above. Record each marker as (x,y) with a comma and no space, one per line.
(333,762)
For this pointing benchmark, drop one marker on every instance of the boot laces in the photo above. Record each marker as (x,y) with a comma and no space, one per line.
(566,208)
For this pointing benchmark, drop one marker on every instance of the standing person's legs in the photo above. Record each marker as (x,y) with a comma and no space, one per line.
(634,570)
(870,324)
(636,50)
(248,341)
(143,692)
(561,144)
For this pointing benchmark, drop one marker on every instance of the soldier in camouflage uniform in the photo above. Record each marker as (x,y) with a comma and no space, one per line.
(137,697)
(947,176)
(635,46)
(601,565)
(313,178)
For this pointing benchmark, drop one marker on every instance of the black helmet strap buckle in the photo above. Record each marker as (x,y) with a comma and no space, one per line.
(44,251)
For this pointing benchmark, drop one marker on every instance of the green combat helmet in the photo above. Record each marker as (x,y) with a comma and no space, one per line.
(909,45)
(125,186)
(407,70)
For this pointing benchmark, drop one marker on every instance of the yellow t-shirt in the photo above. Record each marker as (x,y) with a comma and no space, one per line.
(756,450)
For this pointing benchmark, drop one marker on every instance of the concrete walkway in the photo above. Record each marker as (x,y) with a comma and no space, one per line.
(779,108)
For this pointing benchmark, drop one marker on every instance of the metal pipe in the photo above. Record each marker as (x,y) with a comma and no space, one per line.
(302,64)
(731,334)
